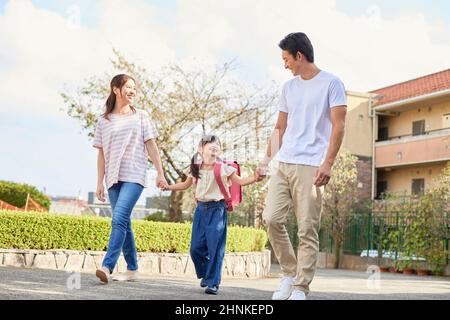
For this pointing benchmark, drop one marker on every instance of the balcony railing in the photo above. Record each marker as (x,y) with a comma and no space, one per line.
(407,150)
(436,132)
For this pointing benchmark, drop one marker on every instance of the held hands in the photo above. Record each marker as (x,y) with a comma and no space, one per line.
(257,176)
(161,182)
(261,171)
(167,188)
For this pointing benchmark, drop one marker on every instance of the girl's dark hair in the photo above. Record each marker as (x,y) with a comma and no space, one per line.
(117,82)
(298,42)
(195,161)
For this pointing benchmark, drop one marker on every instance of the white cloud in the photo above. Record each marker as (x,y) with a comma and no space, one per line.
(367,52)
(41,50)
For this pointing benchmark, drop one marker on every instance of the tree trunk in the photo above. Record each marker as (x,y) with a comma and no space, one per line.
(176,200)
(337,254)
(251,218)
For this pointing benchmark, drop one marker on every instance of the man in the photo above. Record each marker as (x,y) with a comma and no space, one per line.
(309,131)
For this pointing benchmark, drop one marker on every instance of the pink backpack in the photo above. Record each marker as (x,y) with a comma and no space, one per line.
(235,189)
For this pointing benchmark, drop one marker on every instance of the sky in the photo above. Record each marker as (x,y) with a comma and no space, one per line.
(46,46)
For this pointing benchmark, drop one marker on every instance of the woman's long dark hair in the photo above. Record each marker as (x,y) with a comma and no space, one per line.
(117,82)
(196,159)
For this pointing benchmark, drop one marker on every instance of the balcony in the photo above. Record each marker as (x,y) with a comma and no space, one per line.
(431,146)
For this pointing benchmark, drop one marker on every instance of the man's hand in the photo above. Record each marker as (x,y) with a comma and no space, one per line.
(323,175)
(262,169)
(258,177)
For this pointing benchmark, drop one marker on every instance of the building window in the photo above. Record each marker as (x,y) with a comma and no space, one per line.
(381,189)
(417,187)
(446,121)
(418,127)
(383,134)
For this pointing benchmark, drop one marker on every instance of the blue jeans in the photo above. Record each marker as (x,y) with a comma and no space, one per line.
(123,197)
(208,241)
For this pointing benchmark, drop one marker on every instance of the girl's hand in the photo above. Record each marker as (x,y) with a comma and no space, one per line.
(258,177)
(161,182)
(100,193)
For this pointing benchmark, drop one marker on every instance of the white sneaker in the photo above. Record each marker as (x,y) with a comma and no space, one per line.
(297,295)
(285,289)
(129,275)
(103,274)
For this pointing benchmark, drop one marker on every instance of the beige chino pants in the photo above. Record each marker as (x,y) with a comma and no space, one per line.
(292,186)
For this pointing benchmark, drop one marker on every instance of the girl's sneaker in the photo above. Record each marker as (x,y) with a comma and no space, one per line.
(212,290)
(103,274)
(204,285)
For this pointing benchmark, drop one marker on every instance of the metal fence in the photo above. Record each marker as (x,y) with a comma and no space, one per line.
(367,233)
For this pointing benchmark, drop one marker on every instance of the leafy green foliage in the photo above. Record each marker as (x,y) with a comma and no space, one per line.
(16,194)
(34,230)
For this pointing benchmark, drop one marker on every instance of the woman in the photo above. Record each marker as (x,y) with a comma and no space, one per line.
(125,137)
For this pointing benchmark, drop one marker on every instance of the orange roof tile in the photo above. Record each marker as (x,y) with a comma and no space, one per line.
(416,87)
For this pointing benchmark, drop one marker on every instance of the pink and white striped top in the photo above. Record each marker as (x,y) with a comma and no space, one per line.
(123,138)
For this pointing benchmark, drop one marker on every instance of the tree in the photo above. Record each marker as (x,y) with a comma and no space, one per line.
(339,199)
(184,104)
(422,233)
(430,225)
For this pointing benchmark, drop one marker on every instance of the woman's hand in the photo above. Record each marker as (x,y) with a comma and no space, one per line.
(161,182)
(100,192)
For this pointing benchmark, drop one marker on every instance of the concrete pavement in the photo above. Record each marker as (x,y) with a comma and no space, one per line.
(21,283)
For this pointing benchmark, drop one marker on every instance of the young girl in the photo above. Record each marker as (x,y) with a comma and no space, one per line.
(209,228)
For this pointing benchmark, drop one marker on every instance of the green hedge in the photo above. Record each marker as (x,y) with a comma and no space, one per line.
(16,194)
(34,230)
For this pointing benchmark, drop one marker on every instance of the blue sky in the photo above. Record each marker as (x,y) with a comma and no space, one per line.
(49,150)
(433,10)
(90,8)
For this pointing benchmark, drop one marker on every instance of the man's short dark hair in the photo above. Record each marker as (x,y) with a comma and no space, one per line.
(295,42)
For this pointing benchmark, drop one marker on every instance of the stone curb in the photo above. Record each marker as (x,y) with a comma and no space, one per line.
(252,265)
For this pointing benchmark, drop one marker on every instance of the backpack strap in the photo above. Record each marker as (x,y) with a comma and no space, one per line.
(217,168)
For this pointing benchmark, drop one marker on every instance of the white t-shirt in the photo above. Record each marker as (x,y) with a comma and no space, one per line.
(308,104)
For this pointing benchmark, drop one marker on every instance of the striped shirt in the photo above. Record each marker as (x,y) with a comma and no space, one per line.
(122,139)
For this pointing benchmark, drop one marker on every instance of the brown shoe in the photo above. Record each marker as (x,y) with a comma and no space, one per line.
(103,274)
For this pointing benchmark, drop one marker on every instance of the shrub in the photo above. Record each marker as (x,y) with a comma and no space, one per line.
(34,230)
(157,216)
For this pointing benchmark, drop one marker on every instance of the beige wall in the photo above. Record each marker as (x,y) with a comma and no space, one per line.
(432,113)
(400,179)
(358,126)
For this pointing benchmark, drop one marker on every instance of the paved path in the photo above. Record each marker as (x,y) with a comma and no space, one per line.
(20,283)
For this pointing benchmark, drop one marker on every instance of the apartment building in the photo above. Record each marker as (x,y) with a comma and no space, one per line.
(412,144)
